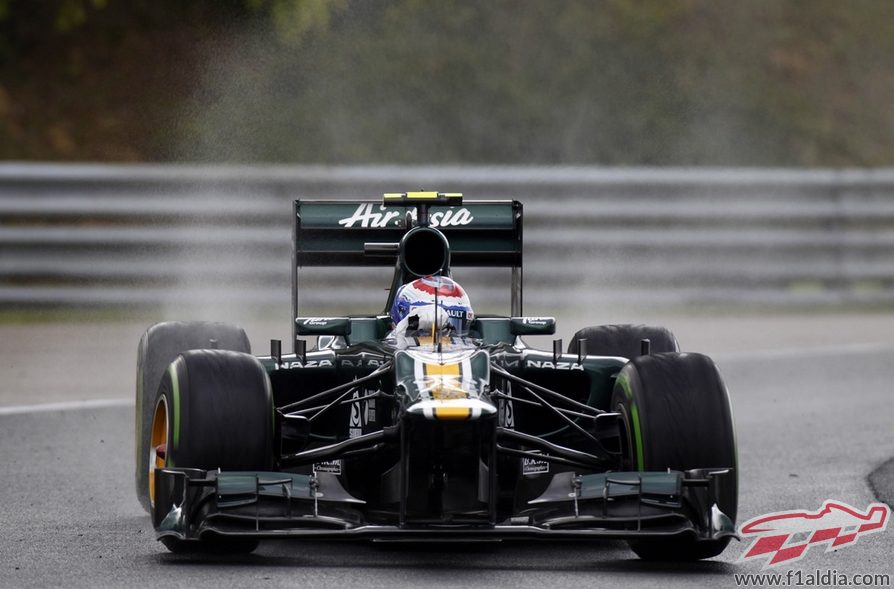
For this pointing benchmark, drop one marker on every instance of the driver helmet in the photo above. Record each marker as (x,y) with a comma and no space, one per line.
(454,311)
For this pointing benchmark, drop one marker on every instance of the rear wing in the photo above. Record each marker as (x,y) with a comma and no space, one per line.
(334,232)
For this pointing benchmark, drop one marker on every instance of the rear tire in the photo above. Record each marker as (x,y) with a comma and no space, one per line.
(159,346)
(676,415)
(218,413)
(623,340)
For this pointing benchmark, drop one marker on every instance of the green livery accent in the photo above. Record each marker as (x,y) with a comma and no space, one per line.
(634,423)
(366,329)
(235,489)
(493,330)
(175,392)
(634,419)
(668,485)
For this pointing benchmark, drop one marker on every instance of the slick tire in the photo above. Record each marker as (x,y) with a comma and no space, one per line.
(676,415)
(159,346)
(623,340)
(214,409)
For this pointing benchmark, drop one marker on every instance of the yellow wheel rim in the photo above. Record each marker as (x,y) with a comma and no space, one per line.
(158,437)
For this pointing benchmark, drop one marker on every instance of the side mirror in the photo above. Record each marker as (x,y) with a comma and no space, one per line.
(532,325)
(324,326)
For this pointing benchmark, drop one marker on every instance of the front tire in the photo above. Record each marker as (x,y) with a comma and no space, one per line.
(676,415)
(159,346)
(215,408)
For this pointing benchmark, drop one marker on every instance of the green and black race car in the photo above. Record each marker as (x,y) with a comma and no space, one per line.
(431,434)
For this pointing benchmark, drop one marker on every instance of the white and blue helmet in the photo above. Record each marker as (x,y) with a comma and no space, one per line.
(454,311)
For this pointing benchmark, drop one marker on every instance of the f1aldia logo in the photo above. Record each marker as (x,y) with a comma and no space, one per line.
(786,536)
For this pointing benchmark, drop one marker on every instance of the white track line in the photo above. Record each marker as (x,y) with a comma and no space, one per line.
(66,406)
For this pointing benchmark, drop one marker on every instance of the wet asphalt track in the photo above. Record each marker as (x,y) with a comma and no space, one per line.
(812,424)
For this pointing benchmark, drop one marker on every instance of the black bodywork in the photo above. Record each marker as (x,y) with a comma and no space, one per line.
(362,451)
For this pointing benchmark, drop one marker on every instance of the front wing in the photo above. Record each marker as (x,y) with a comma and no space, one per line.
(192,504)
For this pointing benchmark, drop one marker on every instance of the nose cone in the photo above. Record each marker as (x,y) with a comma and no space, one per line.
(452,409)
(445,386)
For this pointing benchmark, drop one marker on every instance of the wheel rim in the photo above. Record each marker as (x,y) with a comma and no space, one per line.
(158,436)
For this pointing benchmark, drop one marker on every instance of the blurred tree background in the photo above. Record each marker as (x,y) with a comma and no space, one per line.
(614,82)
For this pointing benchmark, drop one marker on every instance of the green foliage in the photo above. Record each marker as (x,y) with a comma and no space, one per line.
(624,82)
(73,13)
(294,19)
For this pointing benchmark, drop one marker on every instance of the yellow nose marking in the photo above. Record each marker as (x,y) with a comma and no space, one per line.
(446,379)
(453,413)
(442,369)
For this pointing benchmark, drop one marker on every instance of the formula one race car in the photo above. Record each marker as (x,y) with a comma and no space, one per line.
(426,422)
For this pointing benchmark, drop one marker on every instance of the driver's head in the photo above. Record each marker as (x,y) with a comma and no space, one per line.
(418,297)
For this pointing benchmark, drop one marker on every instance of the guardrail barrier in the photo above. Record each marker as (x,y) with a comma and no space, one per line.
(146,235)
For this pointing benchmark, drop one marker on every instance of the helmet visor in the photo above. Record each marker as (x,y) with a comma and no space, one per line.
(450,320)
